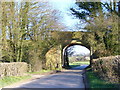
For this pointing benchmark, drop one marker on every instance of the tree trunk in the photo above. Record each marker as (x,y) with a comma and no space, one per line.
(119,8)
(91,56)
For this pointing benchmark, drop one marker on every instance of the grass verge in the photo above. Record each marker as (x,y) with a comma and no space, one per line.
(95,82)
(40,72)
(5,81)
(78,63)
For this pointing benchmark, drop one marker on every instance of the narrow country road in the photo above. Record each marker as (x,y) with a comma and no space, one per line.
(66,79)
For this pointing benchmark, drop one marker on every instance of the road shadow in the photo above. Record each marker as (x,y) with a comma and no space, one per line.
(81,67)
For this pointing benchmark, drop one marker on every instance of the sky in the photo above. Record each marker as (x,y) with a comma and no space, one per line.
(64,7)
(78,49)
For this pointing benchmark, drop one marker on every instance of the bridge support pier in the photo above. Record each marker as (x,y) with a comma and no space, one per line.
(65,60)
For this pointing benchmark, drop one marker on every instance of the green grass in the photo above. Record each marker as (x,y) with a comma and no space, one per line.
(78,63)
(40,72)
(96,82)
(12,79)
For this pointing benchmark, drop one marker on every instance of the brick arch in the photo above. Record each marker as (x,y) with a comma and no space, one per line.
(64,53)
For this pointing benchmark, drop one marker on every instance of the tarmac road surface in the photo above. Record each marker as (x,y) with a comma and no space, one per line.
(71,78)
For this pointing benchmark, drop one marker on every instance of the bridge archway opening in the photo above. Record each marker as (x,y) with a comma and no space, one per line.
(75,53)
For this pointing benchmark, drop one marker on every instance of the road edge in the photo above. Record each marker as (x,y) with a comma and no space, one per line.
(31,79)
(85,79)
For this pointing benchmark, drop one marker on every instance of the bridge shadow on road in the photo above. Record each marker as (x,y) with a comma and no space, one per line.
(76,70)
(81,67)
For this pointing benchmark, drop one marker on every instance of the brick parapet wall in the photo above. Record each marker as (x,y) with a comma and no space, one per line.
(53,58)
